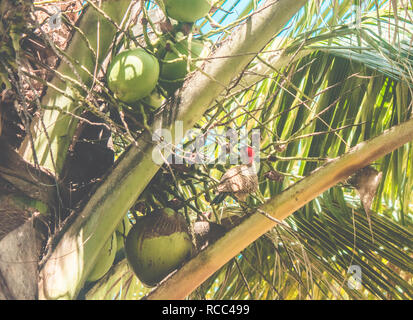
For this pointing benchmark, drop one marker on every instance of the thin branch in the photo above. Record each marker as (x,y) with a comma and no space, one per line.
(196,271)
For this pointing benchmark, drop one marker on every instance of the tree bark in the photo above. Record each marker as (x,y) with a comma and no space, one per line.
(24,190)
(19,253)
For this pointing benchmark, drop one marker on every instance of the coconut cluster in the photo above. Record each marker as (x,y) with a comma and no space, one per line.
(135,74)
(159,242)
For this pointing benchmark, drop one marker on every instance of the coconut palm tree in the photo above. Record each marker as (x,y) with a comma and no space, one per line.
(327,86)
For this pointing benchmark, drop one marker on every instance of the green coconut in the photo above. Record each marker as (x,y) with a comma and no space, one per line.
(104,260)
(187,10)
(121,231)
(154,100)
(158,244)
(174,68)
(132,75)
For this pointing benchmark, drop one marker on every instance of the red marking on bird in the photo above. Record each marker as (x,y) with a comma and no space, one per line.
(250,152)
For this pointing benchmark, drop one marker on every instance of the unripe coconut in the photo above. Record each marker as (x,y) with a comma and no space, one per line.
(174,69)
(154,100)
(104,260)
(121,231)
(132,75)
(187,10)
(158,244)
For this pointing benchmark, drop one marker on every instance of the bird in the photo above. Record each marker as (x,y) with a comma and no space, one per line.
(366,181)
(239,181)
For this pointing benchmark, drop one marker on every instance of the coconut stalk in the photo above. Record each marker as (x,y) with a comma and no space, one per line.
(36,183)
(53,132)
(196,271)
(65,271)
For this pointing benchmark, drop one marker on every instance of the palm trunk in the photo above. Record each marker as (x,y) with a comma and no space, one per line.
(34,189)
